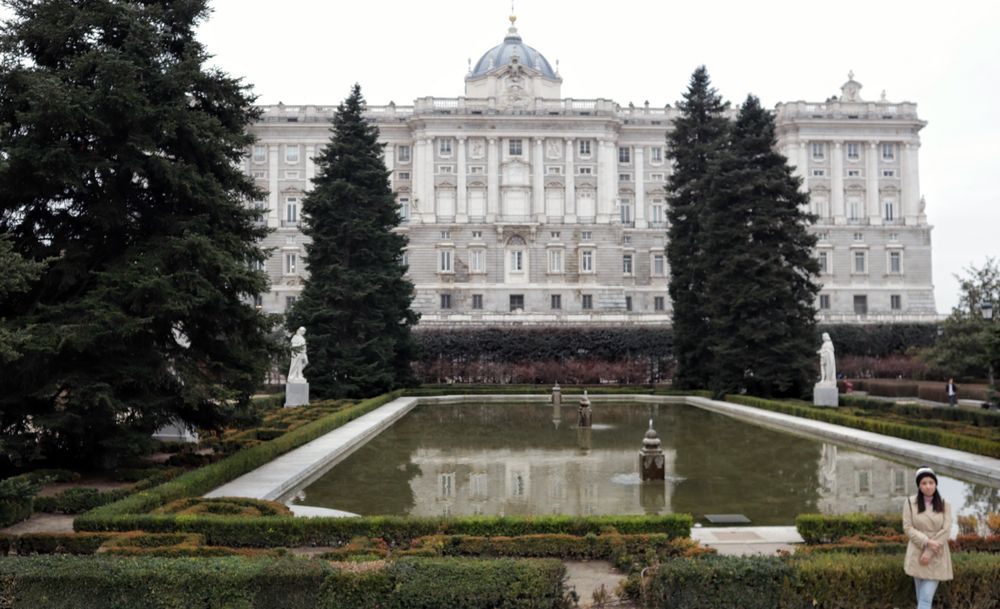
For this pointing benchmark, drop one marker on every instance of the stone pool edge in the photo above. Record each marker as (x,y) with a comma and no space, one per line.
(276,479)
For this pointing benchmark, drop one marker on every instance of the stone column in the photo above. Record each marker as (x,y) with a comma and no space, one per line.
(640,186)
(310,166)
(803,164)
(462,203)
(389,156)
(837,183)
(910,181)
(606,191)
(492,180)
(569,206)
(538,181)
(428,170)
(417,180)
(273,213)
(871,184)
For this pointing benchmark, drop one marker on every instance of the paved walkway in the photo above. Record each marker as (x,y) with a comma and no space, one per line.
(274,479)
(42,523)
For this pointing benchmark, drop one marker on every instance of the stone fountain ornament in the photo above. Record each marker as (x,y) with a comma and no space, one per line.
(296,386)
(825,391)
(652,464)
(584,413)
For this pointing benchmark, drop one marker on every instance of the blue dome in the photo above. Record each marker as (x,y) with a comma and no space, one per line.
(502,54)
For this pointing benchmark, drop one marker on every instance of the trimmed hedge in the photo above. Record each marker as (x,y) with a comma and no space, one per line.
(927,435)
(896,544)
(978,418)
(225,506)
(13,511)
(276,531)
(830,580)
(202,480)
(60,543)
(566,547)
(823,528)
(64,582)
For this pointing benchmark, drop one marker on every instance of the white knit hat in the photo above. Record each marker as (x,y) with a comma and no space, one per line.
(923,472)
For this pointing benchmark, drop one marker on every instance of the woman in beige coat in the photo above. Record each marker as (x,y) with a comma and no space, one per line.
(927,522)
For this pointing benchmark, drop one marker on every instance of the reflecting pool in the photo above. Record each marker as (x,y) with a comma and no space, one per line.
(523,459)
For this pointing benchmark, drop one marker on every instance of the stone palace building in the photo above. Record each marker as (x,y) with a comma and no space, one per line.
(522,206)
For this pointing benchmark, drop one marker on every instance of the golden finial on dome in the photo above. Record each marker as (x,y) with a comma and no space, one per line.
(512,17)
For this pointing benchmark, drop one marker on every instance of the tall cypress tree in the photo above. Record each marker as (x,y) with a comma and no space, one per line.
(119,164)
(694,144)
(760,294)
(355,305)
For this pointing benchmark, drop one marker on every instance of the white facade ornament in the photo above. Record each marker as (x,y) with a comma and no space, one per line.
(299,357)
(827,363)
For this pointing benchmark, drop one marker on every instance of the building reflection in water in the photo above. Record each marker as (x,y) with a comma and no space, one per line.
(851,481)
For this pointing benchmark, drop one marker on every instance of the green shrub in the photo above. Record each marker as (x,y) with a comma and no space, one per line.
(78,500)
(61,543)
(927,435)
(7,543)
(824,528)
(276,531)
(719,582)
(16,498)
(225,506)
(567,547)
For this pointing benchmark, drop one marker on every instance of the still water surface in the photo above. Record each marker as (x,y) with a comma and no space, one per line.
(520,459)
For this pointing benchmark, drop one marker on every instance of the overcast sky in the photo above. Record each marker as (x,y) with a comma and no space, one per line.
(943,56)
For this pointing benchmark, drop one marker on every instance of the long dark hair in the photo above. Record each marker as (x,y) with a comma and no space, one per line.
(937,503)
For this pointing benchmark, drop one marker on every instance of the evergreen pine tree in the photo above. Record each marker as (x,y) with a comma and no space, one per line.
(356,302)
(760,294)
(119,164)
(693,145)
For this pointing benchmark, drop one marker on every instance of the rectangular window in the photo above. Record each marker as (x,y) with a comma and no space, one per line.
(514,147)
(628,303)
(553,170)
(888,173)
(888,152)
(477,234)
(586,236)
(444,147)
(445,169)
(587,261)
(290,302)
(889,209)
(864,482)
(554,234)
(259,153)
(624,177)
(260,174)
(895,302)
(824,262)
(444,261)
(517,261)
(625,210)
(895,262)
(445,301)
(555,301)
(659,303)
(861,304)
(627,264)
(403,154)
(824,302)
(656,154)
(258,301)
(555,261)
(819,173)
(893,236)
(404,209)
(446,235)
(859,237)
(477,169)
(477,261)
(656,177)
(292,153)
(818,150)
(585,171)
(477,301)
(291,211)
(587,302)
(860,262)
(898,481)
(659,265)
(403,175)
(624,154)
(854,173)
(291,263)
(517,302)
(823,236)
(852,151)
(584,147)
(656,212)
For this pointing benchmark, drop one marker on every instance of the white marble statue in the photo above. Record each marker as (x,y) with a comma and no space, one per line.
(827,362)
(299,357)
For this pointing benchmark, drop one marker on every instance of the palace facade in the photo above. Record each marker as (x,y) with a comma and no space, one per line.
(522,206)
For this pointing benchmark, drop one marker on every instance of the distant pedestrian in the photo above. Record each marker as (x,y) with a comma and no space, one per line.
(952,390)
(927,523)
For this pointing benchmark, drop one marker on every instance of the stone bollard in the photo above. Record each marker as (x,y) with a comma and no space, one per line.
(652,465)
(584,412)
(557,395)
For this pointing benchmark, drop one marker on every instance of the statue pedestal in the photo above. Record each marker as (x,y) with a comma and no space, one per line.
(296,394)
(825,395)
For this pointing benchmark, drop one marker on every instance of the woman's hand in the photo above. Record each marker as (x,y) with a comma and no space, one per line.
(934,546)
(925,557)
